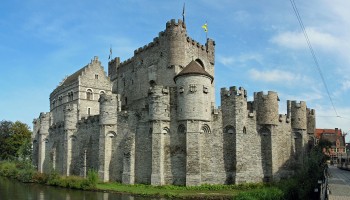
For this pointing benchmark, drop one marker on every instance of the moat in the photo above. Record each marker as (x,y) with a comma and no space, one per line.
(12,189)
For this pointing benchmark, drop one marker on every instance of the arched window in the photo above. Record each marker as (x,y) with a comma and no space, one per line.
(166,130)
(244,130)
(102,92)
(111,134)
(89,95)
(206,129)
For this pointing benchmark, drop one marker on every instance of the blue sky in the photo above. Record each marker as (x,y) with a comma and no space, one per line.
(259,46)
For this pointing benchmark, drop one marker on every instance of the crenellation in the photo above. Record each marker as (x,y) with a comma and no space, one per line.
(153,120)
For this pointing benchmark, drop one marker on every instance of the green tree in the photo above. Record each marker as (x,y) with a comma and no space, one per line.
(15,140)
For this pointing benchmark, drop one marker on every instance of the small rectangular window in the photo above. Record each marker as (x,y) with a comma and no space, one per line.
(89,111)
(96,76)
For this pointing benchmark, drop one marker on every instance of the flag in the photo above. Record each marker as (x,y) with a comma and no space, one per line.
(110,53)
(183,13)
(205,27)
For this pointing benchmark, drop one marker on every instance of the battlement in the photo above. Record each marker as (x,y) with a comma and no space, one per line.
(174,24)
(300,104)
(107,98)
(44,115)
(233,91)
(155,42)
(269,95)
(311,112)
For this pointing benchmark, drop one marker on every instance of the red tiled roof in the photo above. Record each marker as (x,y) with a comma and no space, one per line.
(319,132)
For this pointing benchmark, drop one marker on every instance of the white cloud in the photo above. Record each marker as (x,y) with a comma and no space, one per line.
(274,75)
(346,85)
(239,60)
(296,39)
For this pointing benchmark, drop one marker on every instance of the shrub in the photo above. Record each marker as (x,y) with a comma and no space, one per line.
(92,178)
(40,178)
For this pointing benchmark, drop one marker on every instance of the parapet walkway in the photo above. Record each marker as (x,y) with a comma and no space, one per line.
(339,184)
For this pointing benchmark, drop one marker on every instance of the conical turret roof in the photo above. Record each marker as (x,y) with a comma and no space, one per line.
(194,68)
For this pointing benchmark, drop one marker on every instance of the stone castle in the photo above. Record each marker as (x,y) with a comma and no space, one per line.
(153,120)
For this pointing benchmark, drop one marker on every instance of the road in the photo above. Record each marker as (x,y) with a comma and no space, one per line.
(339,184)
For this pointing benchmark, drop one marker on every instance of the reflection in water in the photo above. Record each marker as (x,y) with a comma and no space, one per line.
(11,189)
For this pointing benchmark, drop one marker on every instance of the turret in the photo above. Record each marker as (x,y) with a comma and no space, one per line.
(159,103)
(44,121)
(176,34)
(298,115)
(311,121)
(108,109)
(210,47)
(267,108)
(194,94)
(233,101)
(112,67)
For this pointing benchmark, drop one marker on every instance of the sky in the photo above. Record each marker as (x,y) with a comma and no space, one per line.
(259,46)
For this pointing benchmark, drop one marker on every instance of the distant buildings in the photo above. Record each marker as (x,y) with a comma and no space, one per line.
(336,137)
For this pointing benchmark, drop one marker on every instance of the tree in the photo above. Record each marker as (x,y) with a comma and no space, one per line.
(15,140)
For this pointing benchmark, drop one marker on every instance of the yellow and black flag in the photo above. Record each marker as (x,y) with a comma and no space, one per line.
(205,27)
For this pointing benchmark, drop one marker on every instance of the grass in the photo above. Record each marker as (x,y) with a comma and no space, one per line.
(203,191)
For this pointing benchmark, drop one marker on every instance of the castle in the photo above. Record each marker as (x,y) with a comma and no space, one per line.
(153,120)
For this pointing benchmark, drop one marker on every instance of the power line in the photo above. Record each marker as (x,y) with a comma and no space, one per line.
(313,54)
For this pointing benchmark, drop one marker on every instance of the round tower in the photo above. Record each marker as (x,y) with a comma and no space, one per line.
(311,121)
(108,109)
(159,103)
(176,34)
(70,116)
(267,108)
(298,115)
(193,88)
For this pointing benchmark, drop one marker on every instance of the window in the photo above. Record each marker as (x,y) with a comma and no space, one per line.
(60,99)
(244,130)
(70,96)
(102,92)
(193,88)
(181,90)
(206,129)
(205,89)
(89,111)
(96,76)
(89,94)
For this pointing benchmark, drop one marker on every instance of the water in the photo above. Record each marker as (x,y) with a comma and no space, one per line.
(14,190)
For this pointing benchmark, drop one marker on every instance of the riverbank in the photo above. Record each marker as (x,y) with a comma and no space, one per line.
(24,172)
(298,187)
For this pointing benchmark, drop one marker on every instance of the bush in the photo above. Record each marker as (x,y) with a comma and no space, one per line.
(40,178)
(92,178)
(8,169)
